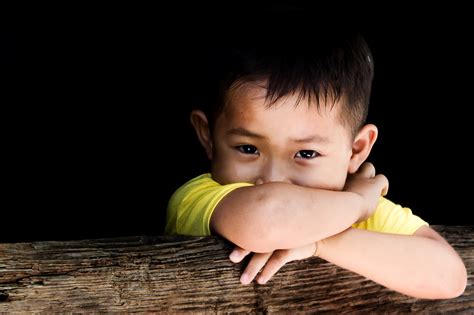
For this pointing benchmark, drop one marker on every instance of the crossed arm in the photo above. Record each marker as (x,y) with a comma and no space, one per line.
(282,222)
(423,265)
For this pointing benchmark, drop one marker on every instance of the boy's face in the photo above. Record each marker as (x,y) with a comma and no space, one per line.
(302,144)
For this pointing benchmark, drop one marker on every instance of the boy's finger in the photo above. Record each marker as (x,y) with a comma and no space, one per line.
(384,181)
(367,170)
(255,265)
(238,254)
(274,264)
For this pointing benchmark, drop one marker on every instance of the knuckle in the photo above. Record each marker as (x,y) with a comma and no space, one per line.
(372,169)
(369,166)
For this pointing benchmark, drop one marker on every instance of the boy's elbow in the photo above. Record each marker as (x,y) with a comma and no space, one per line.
(458,283)
(256,245)
(256,226)
(454,282)
(256,240)
(259,237)
(262,233)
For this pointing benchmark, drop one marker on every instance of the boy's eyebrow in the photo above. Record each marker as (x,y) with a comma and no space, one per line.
(313,139)
(247,133)
(244,132)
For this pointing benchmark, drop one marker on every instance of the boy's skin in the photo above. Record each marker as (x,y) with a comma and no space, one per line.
(311,185)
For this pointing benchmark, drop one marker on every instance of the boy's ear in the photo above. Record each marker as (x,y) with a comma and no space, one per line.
(201,126)
(361,146)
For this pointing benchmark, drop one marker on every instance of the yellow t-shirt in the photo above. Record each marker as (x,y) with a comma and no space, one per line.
(191,206)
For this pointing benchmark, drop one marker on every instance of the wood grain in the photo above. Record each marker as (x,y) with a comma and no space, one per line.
(194,274)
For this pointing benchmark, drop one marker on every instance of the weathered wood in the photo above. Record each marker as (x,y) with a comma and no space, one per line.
(177,274)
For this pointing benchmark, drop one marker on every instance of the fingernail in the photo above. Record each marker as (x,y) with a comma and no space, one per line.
(262,280)
(234,256)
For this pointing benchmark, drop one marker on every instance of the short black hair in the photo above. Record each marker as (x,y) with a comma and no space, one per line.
(295,55)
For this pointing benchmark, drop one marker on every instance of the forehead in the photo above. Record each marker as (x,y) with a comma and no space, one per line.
(249,99)
(243,98)
(289,119)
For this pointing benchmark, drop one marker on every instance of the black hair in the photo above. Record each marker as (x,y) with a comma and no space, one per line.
(299,56)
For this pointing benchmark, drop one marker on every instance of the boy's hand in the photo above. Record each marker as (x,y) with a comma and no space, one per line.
(368,185)
(268,263)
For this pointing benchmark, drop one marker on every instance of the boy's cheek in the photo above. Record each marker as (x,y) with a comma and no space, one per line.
(226,168)
(320,180)
(226,173)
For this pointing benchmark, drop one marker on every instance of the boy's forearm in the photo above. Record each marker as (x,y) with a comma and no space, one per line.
(278,216)
(413,265)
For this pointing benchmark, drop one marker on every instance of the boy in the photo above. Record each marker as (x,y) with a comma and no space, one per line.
(287,140)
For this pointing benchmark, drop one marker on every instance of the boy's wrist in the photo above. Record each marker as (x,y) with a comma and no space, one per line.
(358,204)
(362,207)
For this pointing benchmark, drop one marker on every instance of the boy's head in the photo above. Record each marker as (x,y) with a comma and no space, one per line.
(325,68)
(289,110)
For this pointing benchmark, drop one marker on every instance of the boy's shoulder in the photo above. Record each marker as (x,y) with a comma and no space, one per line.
(203,178)
(198,181)
(192,184)
(203,188)
(192,204)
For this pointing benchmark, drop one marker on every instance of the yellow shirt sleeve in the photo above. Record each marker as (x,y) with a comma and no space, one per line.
(191,206)
(391,218)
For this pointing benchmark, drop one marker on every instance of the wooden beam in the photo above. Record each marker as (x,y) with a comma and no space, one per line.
(178,274)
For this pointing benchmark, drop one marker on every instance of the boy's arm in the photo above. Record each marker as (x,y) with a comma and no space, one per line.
(423,265)
(278,215)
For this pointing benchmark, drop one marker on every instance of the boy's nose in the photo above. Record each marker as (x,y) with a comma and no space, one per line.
(272,173)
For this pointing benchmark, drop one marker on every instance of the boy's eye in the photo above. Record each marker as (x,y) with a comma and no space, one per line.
(247,149)
(307,154)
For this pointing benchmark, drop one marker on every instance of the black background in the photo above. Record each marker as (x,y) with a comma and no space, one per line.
(97,101)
